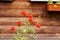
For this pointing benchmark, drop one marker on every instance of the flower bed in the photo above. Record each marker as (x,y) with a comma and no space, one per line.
(53,6)
(26,29)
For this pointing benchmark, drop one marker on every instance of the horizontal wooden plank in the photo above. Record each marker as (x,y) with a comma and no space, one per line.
(43,29)
(37,37)
(14,5)
(14,20)
(22,5)
(17,12)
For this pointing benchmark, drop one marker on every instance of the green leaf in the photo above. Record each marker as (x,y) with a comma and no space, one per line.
(24,30)
(16,38)
(23,38)
(30,30)
(50,2)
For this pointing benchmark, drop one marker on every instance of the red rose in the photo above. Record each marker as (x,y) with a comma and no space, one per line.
(23,13)
(38,25)
(12,28)
(19,23)
(30,16)
(31,21)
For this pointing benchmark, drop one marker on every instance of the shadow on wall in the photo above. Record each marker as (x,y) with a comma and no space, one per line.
(55,14)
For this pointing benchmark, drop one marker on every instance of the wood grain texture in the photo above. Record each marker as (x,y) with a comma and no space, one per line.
(38,36)
(43,30)
(16,7)
(10,13)
(14,20)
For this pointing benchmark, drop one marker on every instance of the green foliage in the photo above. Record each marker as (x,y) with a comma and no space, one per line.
(58,2)
(50,2)
(23,32)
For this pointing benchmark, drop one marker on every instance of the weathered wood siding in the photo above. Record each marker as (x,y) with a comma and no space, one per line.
(12,11)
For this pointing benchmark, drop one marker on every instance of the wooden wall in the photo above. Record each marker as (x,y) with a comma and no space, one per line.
(9,12)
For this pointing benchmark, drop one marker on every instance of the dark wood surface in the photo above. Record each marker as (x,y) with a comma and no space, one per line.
(10,13)
(13,10)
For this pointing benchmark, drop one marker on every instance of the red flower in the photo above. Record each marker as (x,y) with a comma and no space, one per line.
(31,21)
(12,28)
(23,13)
(19,23)
(38,25)
(30,16)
